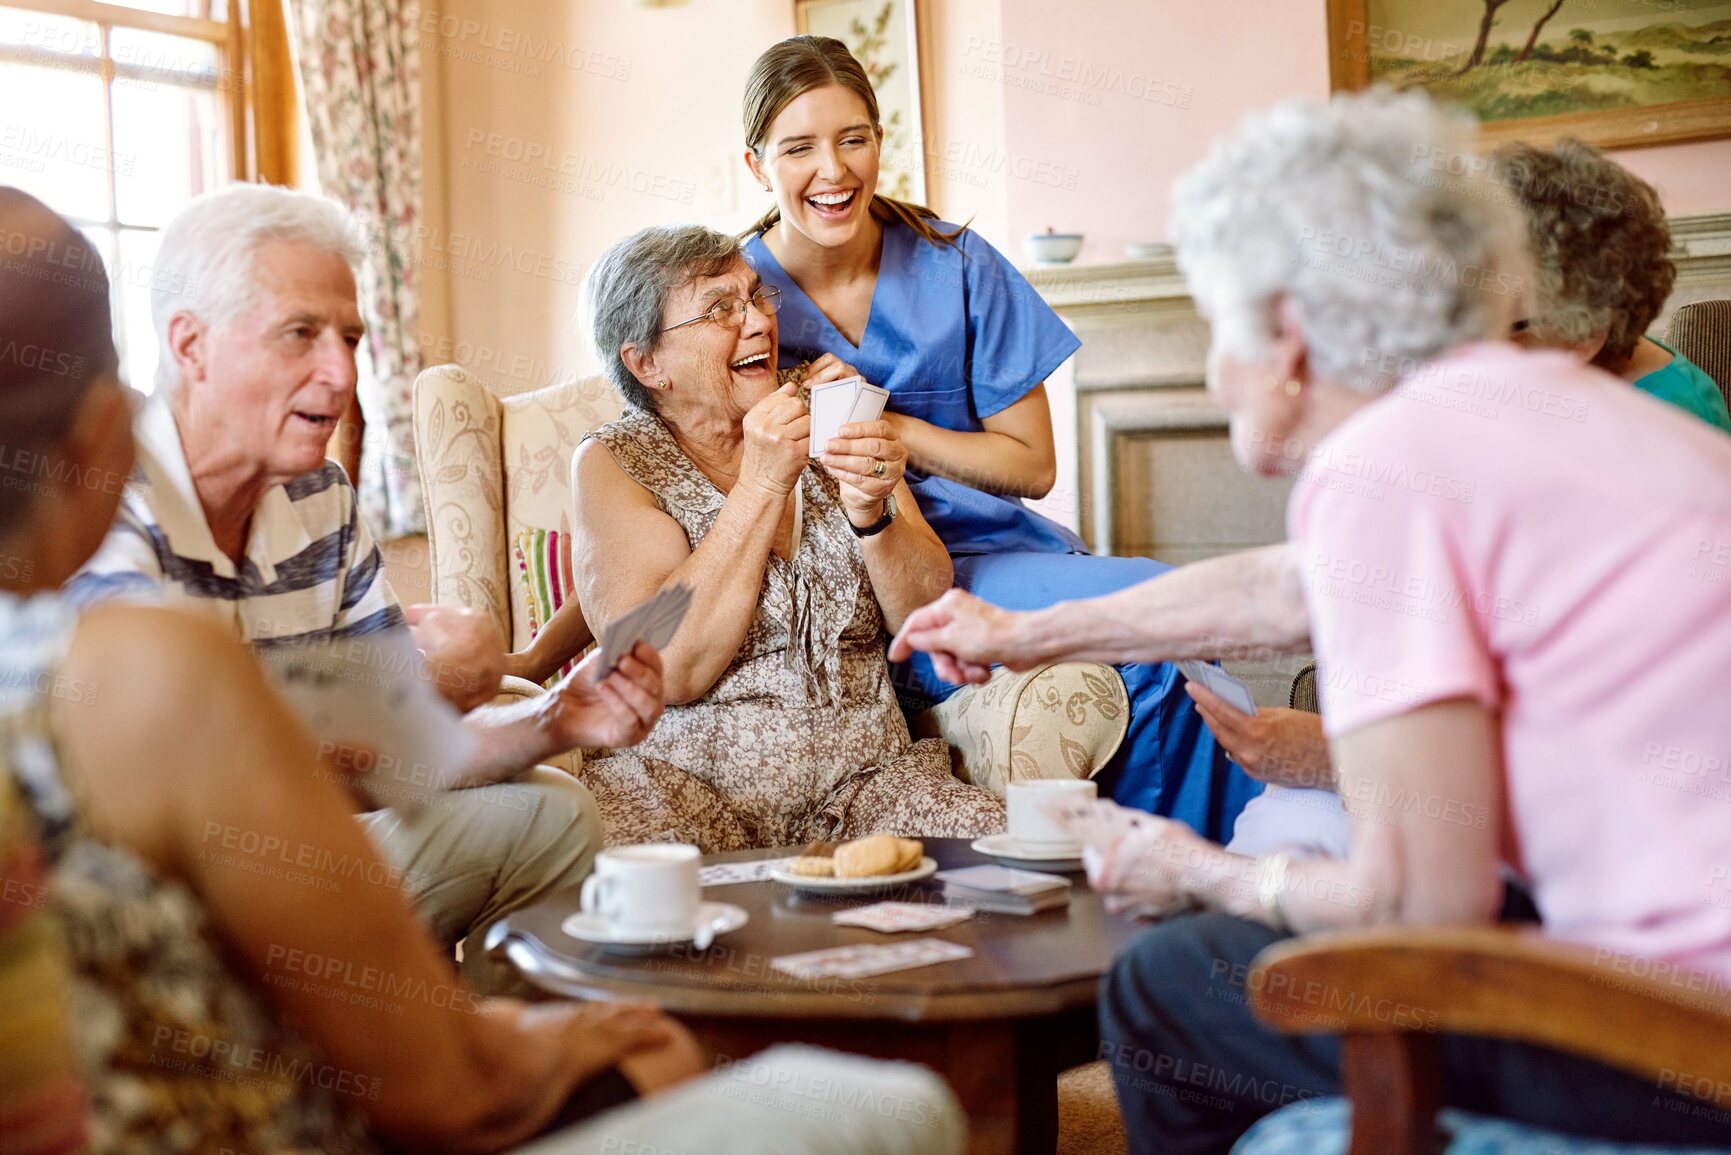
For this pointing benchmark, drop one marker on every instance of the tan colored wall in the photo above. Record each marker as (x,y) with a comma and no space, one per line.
(554,129)
(564,127)
(1129,93)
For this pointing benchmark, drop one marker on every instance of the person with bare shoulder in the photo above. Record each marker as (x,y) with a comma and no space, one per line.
(235,510)
(247,972)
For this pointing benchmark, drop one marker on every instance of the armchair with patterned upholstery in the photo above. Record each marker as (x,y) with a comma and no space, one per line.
(495,472)
(1499,982)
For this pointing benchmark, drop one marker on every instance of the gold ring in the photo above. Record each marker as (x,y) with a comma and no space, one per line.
(878,469)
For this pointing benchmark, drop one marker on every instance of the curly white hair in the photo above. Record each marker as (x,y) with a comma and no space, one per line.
(1373,215)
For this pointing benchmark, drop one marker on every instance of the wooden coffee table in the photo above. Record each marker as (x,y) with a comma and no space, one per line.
(999,1026)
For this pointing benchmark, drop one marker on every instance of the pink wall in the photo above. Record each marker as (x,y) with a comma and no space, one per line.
(553,130)
(1132,95)
(1124,99)
(562,128)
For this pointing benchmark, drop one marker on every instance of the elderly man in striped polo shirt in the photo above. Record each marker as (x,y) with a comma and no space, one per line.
(234,503)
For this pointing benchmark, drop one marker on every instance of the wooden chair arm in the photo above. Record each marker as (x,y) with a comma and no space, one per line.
(1648,1018)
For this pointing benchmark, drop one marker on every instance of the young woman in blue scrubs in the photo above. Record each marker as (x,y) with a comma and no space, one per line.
(938,317)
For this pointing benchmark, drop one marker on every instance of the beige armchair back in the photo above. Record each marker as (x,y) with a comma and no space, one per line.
(493,466)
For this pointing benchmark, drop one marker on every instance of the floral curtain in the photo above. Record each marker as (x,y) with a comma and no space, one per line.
(360,66)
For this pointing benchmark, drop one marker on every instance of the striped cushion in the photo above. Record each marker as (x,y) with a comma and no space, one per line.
(544,567)
(1702,332)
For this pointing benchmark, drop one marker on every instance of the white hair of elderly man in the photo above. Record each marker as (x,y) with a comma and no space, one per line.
(204,263)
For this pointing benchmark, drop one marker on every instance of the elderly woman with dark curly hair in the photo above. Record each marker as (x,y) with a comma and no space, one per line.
(1599,239)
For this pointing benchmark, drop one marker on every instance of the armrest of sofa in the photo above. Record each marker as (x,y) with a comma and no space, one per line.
(1064,720)
(458,426)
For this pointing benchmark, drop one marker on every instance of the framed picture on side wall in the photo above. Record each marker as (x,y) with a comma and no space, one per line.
(1615,73)
(883,35)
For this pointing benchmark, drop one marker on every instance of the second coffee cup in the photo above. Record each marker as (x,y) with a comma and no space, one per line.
(1030,826)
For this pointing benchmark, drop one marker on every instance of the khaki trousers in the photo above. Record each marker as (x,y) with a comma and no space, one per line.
(472,856)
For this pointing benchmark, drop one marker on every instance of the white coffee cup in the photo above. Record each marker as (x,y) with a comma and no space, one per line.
(651,888)
(1031,827)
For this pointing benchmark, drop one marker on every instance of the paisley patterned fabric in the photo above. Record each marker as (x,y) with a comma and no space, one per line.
(801,737)
(178,1054)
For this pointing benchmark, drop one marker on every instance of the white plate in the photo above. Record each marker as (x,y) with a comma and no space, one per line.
(800,882)
(718,918)
(1009,852)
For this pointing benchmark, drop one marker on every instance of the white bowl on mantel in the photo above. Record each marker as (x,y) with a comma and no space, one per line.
(1146,251)
(1052,248)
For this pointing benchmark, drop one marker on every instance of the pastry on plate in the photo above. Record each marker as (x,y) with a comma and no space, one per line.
(811,866)
(877,854)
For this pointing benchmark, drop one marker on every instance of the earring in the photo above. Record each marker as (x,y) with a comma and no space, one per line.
(664,383)
(1292,387)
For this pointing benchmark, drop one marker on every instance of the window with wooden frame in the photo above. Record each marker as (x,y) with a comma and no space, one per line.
(115,114)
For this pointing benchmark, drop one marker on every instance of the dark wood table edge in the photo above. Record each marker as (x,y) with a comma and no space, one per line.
(547,969)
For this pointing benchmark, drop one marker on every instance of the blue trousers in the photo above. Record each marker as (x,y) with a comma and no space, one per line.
(1169,762)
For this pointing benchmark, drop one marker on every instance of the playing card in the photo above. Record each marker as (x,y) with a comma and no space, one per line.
(373,712)
(831,404)
(869,404)
(620,635)
(661,625)
(729,873)
(891,917)
(655,621)
(864,961)
(1229,689)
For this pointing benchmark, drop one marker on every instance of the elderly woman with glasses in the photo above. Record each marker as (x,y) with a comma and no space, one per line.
(782,723)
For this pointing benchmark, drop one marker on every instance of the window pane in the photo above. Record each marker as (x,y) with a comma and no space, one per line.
(132,280)
(177,7)
(46,36)
(143,58)
(169,146)
(51,139)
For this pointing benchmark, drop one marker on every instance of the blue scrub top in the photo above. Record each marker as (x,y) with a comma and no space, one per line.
(955,335)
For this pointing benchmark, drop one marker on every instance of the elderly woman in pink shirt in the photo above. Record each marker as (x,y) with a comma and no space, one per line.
(1517,578)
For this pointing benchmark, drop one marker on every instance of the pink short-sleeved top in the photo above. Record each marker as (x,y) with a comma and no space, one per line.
(1518,529)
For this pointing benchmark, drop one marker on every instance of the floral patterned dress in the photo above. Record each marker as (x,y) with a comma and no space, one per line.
(178,1053)
(801,737)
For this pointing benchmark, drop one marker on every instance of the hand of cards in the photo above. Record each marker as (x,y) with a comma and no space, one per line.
(836,403)
(375,715)
(655,622)
(1225,687)
(1098,823)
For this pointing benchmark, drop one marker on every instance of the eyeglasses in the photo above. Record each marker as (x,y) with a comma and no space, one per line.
(729,312)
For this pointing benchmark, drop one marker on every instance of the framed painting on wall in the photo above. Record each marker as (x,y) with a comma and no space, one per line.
(1615,73)
(883,35)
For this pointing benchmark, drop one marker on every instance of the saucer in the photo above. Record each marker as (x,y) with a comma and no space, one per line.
(1010,853)
(807,885)
(718,918)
